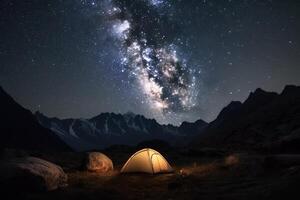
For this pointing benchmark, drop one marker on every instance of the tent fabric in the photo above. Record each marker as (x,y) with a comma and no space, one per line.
(147,161)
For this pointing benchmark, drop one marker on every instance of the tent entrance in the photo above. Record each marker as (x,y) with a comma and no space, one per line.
(156,164)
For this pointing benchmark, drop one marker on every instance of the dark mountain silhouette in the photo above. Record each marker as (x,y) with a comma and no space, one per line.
(264,120)
(19,129)
(192,128)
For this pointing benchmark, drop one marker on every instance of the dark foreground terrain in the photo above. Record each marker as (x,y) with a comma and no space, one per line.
(198,175)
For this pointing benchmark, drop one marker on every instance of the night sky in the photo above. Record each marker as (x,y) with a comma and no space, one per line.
(172,60)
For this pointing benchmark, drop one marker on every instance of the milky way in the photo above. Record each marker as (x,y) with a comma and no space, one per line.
(149,57)
(171,60)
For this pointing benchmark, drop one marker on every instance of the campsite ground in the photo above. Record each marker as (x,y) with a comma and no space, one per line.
(224,176)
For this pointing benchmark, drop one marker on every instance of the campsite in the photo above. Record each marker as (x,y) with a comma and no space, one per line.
(218,165)
(209,174)
(149,99)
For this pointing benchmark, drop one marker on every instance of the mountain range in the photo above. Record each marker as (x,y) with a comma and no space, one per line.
(265,120)
(109,128)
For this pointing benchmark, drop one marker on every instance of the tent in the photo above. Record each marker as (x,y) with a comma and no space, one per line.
(147,161)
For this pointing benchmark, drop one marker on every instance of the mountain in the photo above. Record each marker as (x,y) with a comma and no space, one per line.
(109,128)
(19,129)
(264,120)
(192,128)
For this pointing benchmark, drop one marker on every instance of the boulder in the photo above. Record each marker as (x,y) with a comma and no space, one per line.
(31,174)
(231,160)
(98,162)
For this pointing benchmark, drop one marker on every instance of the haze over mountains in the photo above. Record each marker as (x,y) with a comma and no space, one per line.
(264,120)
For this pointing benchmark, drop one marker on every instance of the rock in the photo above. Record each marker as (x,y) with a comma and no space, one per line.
(98,162)
(232,160)
(31,174)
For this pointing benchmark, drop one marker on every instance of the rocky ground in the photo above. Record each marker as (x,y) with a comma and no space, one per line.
(197,176)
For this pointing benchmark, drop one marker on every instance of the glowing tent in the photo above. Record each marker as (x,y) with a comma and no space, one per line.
(147,161)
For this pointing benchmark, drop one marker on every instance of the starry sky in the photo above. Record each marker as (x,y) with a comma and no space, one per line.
(172,60)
